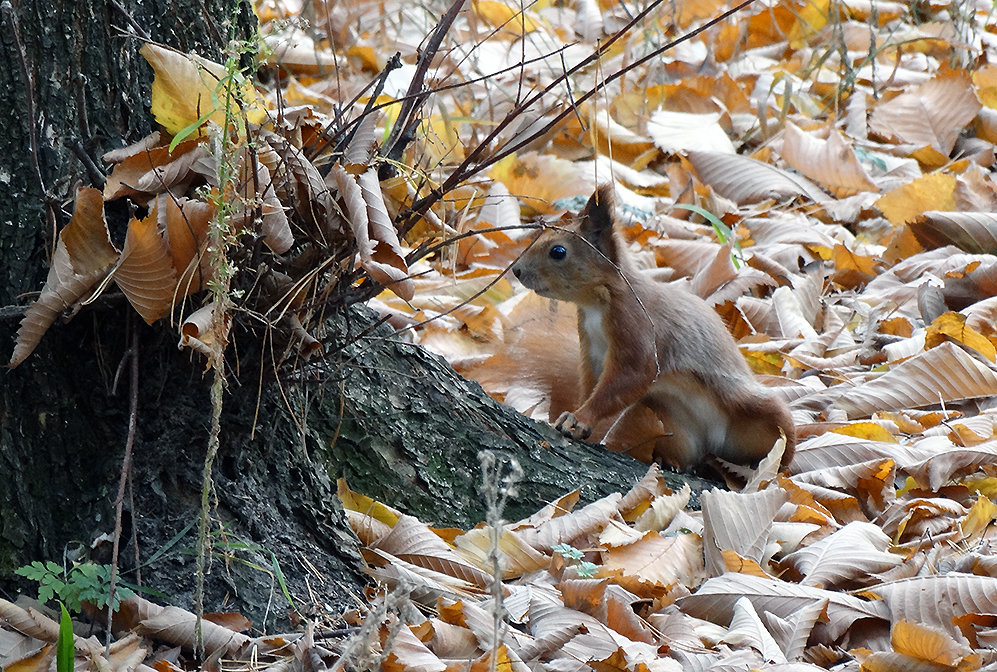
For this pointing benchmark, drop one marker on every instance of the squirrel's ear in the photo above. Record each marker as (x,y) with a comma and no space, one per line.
(596,220)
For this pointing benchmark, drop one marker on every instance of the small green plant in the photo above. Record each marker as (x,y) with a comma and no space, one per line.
(84,582)
(573,557)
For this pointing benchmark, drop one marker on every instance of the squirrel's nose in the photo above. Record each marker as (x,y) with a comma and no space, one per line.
(516,271)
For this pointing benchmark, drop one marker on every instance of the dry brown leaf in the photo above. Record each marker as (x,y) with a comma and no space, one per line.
(298,182)
(973,232)
(715,600)
(178,627)
(197,332)
(414,542)
(145,273)
(147,143)
(738,522)
(409,653)
(662,510)
(377,242)
(426,585)
(744,180)
(659,560)
(593,641)
(948,460)
(149,166)
(255,203)
(297,52)
(515,555)
(388,254)
(929,114)
(676,132)
(852,553)
(943,374)
(184,223)
(574,525)
(831,162)
(747,629)
(84,255)
(939,601)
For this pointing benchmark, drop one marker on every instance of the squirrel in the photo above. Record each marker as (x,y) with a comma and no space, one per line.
(659,374)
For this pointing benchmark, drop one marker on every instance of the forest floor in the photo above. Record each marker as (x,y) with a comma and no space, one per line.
(820,172)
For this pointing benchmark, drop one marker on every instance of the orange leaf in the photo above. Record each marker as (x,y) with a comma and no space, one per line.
(146,275)
(147,170)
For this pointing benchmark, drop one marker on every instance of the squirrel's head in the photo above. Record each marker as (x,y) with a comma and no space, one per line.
(571,262)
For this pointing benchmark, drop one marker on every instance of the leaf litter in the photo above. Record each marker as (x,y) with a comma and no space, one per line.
(846,148)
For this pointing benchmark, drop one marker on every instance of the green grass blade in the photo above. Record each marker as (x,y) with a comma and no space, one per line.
(723,231)
(65,651)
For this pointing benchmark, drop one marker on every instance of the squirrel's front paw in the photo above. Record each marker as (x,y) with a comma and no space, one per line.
(569,425)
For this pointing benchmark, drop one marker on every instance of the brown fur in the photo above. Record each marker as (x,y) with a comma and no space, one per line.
(656,361)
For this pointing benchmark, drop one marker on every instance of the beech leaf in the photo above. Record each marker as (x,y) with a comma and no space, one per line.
(84,255)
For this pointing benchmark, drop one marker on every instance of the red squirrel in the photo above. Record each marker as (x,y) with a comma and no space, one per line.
(658,366)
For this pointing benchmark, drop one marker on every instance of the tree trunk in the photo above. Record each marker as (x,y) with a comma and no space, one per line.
(396,422)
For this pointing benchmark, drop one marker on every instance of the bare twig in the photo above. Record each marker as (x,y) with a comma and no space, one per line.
(474,162)
(126,466)
(403,131)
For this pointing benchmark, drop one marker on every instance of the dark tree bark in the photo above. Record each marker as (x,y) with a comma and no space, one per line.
(395,421)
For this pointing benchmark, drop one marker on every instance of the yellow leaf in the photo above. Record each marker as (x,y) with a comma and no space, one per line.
(952,326)
(980,515)
(866,430)
(366,56)
(354,501)
(810,19)
(764,363)
(929,157)
(986,486)
(985,80)
(541,179)
(930,192)
(509,17)
(735,563)
(852,269)
(964,436)
(925,643)
(187,88)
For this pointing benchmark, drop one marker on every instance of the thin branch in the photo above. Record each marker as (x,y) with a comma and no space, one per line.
(475,163)
(126,467)
(403,131)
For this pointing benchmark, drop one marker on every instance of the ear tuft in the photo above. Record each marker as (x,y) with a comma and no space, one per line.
(597,219)
(599,209)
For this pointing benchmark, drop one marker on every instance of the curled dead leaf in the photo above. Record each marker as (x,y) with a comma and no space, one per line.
(197,331)
(84,255)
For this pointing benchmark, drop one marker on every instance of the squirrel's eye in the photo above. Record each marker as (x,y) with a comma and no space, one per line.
(558,252)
